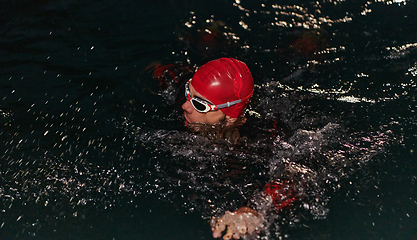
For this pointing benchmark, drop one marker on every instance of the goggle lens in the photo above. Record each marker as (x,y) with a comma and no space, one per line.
(200,105)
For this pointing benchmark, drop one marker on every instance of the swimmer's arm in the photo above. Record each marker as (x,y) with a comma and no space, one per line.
(238,223)
(276,195)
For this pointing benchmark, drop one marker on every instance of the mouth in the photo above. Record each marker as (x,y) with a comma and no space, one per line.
(186,123)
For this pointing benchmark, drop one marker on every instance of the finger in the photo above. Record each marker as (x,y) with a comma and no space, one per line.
(241,228)
(218,228)
(229,232)
(217,234)
(219,225)
(250,227)
(236,235)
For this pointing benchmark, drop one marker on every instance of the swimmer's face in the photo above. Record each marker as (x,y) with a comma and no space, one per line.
(193,116)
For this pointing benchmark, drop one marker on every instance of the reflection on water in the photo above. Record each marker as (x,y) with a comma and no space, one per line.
(333,112)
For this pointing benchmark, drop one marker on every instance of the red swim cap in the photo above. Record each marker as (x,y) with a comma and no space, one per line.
(225,80)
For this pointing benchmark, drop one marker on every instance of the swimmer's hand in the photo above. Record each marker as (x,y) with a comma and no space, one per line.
(238,223)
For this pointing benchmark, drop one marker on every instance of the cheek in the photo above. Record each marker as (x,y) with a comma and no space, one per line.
(194,116)
(215,117)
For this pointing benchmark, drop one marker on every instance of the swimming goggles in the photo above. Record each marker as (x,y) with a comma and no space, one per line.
(204,106)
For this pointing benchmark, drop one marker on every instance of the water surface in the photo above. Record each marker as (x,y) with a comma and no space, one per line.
(92,148)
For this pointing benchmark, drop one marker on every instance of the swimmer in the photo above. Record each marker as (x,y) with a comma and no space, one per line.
(216,96)
(218,93)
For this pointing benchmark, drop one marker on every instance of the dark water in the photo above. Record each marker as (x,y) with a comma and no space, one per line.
(91,148)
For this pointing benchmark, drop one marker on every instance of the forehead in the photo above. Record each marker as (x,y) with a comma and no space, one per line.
(194,93)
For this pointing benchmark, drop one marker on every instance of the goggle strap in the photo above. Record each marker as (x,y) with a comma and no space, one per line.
(228,104)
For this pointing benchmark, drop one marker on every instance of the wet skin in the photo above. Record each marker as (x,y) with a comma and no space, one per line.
(236,224)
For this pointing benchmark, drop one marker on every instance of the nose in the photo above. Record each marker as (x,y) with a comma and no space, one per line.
(187,107)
